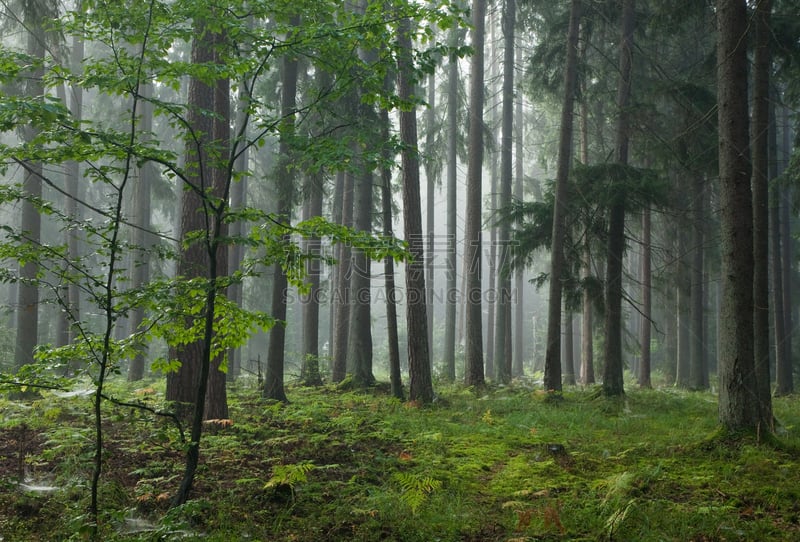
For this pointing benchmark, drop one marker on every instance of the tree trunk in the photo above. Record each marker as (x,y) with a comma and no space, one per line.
(27,321)
(783,363)
(276,353)
(613,384)
(419,366)
(342,292)
(451,300)
(473,373)
(310,373)
(395,376)
(552,363)
(760,187)
(698,356)
(502,346)
(647,303)
(359,346)
(431,182)
(518,355)
(142,238)
(738,404)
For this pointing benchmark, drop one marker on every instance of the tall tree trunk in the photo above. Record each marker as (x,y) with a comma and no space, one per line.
(552,362)
(359,346)
(738,396)
(613,384)
(334,277)
(698,355)
(647,301)
(142,238)
(473,373)
(393,341)
(684,311)
(787,258)
(760,187)
(238,200)
(451,300)
(419,366)
(587,310)
(276,353)
(518,356)
(569,349)
(27,321)
(502,346)
(342,293)
(72,182)
(310,373)
(783,362)
(431,182)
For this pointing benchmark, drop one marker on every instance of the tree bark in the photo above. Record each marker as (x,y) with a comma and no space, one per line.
(451,300)
(27,317)
(473,373)
(613,383)
(552,362)
(502,346)
(419,366)
(738,405)
(276,352)
(760,188)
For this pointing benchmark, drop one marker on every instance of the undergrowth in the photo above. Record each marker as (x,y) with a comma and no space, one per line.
(508,464)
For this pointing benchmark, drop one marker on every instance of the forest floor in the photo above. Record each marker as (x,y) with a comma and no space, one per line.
(508,464)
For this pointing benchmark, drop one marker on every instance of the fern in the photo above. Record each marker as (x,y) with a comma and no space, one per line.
(415,488)
(290,475)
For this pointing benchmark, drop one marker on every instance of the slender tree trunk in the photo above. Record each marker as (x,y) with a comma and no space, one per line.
(647,303)
(238,200)
(502,346)
(27,321)
(395,376)
(786,384)
(684,309)
(451,300)
(569,349)
(518,356)
(310,373)
(613,384)
(431,182)
(698,357)
(419,366)
(760,187)
(342,293)
(141,235)
(473,373)
(783,362)
(552,363)
(276,353)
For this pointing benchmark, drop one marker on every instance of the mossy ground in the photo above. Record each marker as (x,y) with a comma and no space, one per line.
(504,464)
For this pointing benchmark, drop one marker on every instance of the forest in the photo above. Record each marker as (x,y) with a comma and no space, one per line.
(399,270)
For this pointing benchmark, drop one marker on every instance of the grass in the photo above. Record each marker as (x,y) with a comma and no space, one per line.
(507,464)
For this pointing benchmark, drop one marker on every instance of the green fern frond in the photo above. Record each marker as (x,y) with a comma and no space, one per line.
(415,488)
